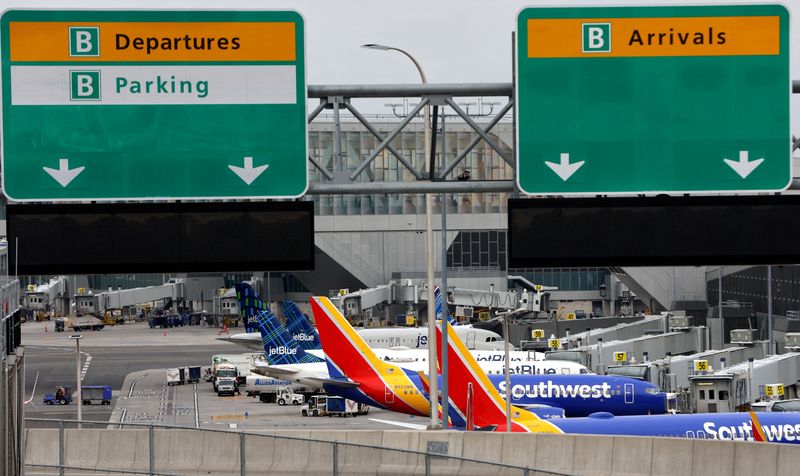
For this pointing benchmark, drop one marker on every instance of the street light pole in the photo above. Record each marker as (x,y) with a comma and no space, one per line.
(79,396)
(434,381)
(506,371)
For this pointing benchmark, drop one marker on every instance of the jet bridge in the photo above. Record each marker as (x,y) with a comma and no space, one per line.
(368,303)
(605,354)
(736,387)
(43,297)
(672,373)
(91,303)
(649,324)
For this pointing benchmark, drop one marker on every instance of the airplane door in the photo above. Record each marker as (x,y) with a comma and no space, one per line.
(628,393)
(388,394)
(470,340)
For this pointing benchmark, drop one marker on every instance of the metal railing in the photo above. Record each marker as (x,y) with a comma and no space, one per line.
(434,459)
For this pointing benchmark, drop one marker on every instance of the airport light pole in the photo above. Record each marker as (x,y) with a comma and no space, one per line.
(434,381)
(506,371)
(77,338)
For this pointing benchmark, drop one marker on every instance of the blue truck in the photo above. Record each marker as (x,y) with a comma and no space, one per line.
(100,394)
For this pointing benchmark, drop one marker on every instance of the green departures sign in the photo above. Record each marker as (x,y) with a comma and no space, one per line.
(653,99)
(145,105)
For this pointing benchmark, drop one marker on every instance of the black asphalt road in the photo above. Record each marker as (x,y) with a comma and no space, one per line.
(108,366)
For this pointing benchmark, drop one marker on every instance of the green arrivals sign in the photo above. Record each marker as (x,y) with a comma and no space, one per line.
(147,105)
(653,99)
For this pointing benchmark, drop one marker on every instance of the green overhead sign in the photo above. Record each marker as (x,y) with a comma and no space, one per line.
(147,105)
(653,99)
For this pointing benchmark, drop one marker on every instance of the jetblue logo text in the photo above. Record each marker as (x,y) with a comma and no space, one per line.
(282,350)
(303,337)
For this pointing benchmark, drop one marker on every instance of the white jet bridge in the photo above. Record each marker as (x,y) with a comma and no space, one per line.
(90,303)
(736,387)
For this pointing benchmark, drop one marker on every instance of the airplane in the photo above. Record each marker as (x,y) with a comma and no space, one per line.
(472,393)
(398,338)
(389,386)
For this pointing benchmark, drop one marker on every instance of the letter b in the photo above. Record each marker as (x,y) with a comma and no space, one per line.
(84,41)
(596,37)
(84,85)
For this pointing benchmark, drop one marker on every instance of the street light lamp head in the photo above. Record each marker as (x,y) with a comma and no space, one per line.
(375,46)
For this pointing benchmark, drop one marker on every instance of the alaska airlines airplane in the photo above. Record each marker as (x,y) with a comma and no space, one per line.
(286,359)
(398,338)
(385,385)
(471,392)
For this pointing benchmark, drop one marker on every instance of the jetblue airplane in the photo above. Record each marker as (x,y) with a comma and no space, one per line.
(475,399)
(383,384)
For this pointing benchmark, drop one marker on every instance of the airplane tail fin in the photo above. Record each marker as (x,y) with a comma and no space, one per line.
(279,346)
(758,431)
(466,377)
(298,326)
(249,305)
(343,346)
(349,356)
(441,307)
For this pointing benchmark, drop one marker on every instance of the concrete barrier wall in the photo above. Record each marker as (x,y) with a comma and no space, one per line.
(202,452)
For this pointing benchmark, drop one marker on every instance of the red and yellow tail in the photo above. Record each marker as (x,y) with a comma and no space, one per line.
(487,402)
(758,431)
(345,349)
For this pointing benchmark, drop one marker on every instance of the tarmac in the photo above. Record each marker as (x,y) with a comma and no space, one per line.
(133,359)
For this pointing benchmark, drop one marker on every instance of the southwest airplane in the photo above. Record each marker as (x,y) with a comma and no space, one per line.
(398,338)
(471,389)
(385,385)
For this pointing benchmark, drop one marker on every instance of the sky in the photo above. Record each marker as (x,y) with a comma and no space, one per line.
(455,41)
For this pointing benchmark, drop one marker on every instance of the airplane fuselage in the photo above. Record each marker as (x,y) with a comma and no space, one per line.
(779,427)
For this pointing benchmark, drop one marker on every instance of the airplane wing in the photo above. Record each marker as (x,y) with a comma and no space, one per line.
(243,341)
(410,426)
(272,371)
(334,382)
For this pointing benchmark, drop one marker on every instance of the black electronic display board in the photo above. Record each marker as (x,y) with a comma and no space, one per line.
(160,237)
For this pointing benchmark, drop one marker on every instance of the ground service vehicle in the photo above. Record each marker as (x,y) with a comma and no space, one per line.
(285,397)
(225,371)
(84,323)
(327,405)
(96,394)
(227,386)
(194,374)
(174,377)
(62,396)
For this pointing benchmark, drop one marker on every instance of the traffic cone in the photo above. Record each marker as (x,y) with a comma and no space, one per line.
(45,327)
